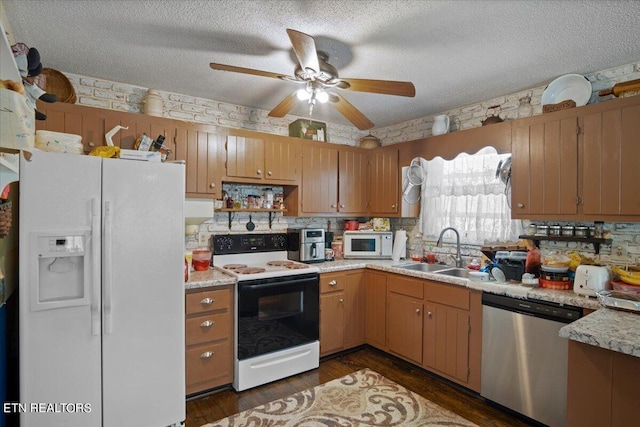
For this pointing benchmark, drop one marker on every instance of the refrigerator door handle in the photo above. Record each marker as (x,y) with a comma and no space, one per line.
(106,272)
(95,267)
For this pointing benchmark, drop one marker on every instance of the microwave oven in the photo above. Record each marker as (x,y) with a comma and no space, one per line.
(368,244)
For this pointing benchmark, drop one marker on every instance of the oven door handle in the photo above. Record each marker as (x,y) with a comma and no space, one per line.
(263,286)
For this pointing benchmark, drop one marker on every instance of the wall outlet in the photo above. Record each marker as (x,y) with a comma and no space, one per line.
(619,250)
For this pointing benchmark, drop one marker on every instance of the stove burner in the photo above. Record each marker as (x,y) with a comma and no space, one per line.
(250,270)
(297,266)
(234,266)
(280,263)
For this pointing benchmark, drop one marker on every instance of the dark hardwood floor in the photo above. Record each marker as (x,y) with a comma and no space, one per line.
(469,405)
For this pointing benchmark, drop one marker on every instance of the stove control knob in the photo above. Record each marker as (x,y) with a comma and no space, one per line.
(278,241)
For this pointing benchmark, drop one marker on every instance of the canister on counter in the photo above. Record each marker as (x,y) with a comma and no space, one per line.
(555,230)
(542,230)
(567,230)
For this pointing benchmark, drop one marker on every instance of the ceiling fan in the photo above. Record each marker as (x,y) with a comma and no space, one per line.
(317,75)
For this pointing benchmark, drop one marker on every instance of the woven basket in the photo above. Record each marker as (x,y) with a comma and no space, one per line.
(59,85)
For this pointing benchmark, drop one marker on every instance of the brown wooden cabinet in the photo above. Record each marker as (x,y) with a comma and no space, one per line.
(261,157)
(603,387)
(404,317)
(334,180)
(375,310)
(578,164)
(87,122)
(452,333)
(384,182)
(202,149)
(208,338)
(341,311)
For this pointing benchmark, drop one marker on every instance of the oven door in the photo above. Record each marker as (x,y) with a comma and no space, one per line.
(277,313)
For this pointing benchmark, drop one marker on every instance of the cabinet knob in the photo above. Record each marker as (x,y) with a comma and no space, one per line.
(342,206)
(269,173)
(259,171)
(207,301)
(429,313)
(393,206)
(333,283)
(334,205)
(206,355)
(341,300)
(207,324)
(417,311)
(520,205)
(212,185)
(91,144)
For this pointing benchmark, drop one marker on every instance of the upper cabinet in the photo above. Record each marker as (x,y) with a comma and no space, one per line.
(202,149)
(385,182)
(87,122)
(252,157)
(334,180)
(578,164)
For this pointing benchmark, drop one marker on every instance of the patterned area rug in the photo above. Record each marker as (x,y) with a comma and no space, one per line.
(363,398)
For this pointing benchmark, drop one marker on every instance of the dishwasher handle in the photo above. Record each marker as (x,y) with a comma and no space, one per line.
(536,308)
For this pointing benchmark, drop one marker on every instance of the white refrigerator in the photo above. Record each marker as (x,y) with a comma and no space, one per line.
(101,294)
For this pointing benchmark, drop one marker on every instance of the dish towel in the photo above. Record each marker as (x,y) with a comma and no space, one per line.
(399,246)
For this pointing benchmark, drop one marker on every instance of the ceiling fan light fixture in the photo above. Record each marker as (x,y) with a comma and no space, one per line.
(303,94)
(322,96)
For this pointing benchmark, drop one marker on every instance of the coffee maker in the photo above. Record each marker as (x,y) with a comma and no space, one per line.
(306,244)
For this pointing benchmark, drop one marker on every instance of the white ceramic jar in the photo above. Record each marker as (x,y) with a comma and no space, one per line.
(440,125)
(152,103)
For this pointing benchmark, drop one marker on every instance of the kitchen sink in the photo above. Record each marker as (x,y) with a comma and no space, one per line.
(424,267)
(456,272)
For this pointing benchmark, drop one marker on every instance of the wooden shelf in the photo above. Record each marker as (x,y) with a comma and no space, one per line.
(250,210)
(595,241)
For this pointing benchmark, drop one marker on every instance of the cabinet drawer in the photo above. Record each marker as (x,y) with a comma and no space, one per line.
(448,295)
(207,328)
(405,286)
(332,282)
(208,301)
(207,362)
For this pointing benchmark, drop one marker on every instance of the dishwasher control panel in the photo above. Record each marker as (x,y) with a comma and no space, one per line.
(545,309)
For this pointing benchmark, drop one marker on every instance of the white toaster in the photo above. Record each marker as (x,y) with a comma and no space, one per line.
(591,279)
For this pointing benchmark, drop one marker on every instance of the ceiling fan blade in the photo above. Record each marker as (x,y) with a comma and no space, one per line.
(387,87)
(284,107)
(242,70)
(304,46)
(351,113)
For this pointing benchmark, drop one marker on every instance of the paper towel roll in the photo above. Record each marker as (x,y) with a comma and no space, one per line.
(399,246)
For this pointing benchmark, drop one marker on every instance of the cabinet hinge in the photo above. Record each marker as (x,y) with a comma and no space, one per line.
(578,200)
(578,130)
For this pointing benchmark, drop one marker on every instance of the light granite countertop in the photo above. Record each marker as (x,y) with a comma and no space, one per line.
(607,328)
(610,329)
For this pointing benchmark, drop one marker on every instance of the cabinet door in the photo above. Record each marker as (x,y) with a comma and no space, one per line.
(544,173)
(384,180)
(137,125)
(67,118)
(611,153)
(245,157)
(280,160)
(353,190)
(446,340)
(375,299)
(319,179)
(354,313)
(202,150)
(404,324)
(332,315)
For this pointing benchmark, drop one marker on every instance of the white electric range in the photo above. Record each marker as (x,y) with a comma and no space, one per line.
(277,308)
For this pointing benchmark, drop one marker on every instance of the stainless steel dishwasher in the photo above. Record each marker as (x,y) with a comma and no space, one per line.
(524,361)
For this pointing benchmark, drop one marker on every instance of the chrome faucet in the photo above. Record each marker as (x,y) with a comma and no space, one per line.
(439,244)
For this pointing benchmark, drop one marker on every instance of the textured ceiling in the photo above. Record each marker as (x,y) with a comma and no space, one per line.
(455,52)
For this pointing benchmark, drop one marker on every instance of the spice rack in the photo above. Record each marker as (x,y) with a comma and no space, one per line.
(596,242)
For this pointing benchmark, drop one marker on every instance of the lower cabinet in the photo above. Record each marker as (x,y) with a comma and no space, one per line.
(404,317)
(341,311)
(452,333)
(602,387)
(375,310)
(208,338)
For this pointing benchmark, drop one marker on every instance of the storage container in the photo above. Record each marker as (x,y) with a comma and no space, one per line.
(59,142)
(308,129)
